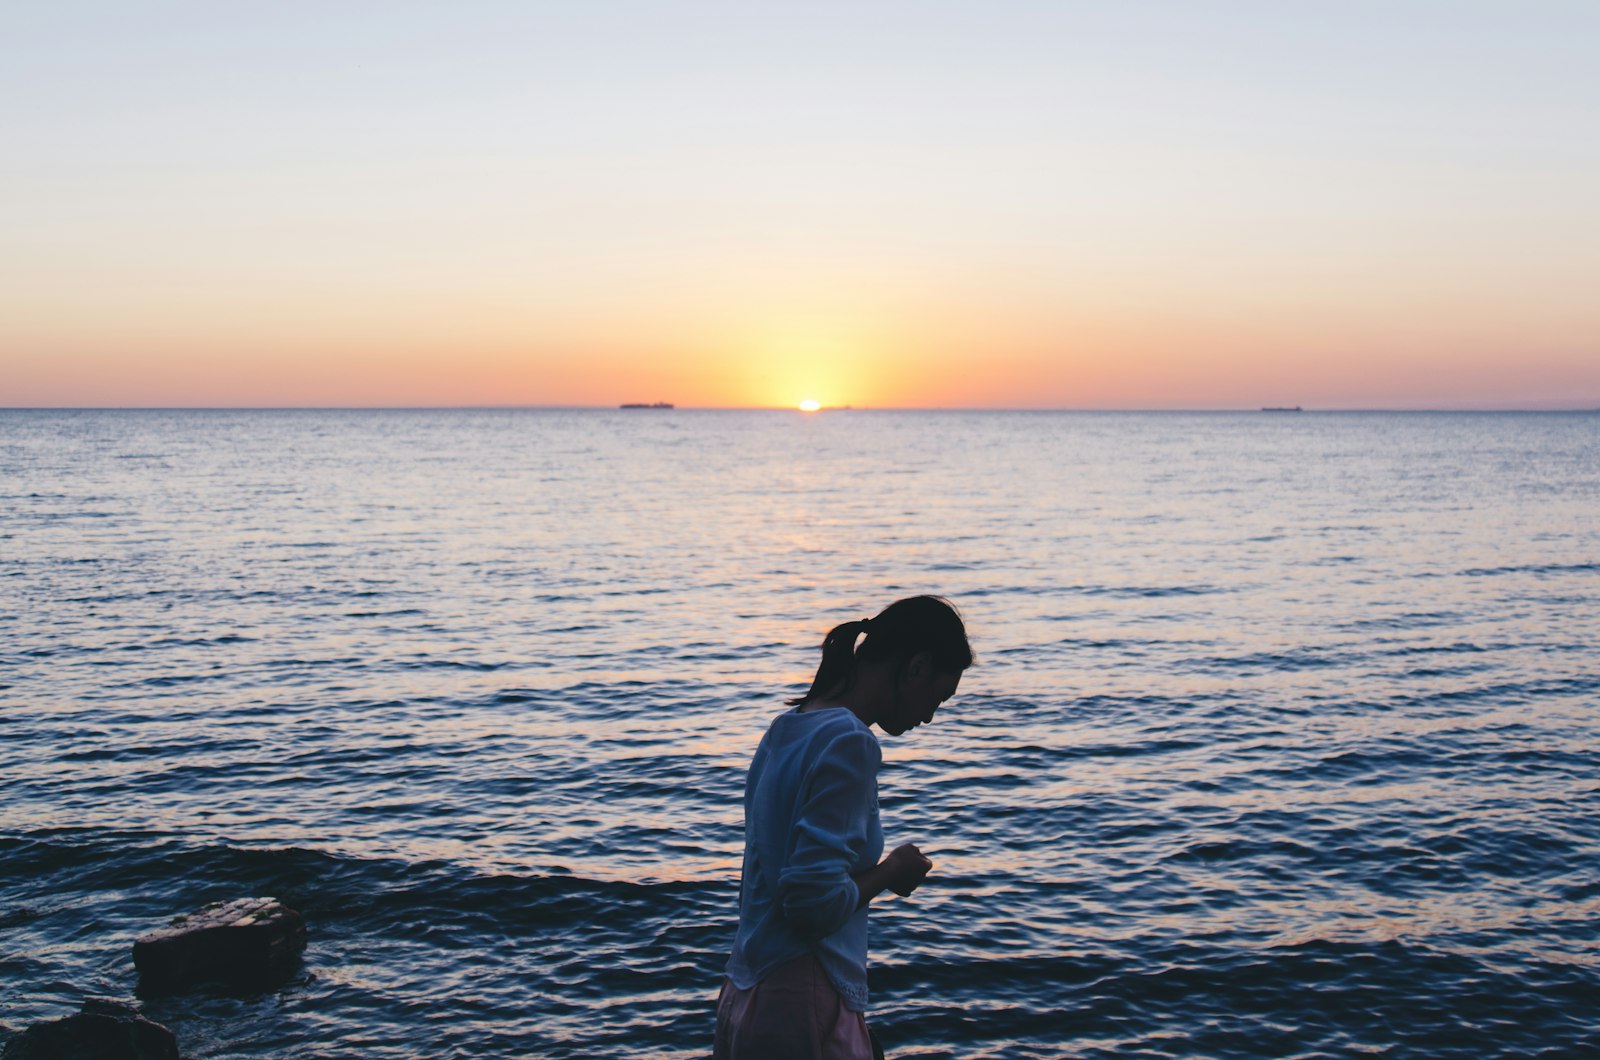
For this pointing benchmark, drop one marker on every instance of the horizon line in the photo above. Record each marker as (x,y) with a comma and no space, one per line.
(1586,407)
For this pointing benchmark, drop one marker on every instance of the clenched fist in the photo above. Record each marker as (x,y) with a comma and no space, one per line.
(907,868)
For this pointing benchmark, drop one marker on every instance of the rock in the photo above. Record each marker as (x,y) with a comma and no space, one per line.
(103,1030)
(249,943)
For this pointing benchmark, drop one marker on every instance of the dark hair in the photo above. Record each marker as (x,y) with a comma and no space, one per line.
(901,630)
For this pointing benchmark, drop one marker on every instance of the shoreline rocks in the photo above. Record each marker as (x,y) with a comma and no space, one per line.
(101,1030)
(248,943)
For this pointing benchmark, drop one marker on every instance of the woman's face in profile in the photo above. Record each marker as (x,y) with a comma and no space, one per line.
(922,689)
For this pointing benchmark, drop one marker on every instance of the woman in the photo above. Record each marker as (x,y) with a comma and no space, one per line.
(797,979)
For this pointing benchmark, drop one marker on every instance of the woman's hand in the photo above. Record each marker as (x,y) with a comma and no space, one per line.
(907,869)
(900,872)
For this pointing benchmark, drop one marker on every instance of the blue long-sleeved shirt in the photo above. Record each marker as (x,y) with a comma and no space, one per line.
(810,824)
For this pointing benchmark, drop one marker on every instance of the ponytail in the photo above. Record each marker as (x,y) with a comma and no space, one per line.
(901,630)
(838,660)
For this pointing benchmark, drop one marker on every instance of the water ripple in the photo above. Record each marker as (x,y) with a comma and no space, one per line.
(1277,745)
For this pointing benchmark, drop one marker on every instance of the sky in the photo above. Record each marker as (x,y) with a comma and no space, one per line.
(1004,204)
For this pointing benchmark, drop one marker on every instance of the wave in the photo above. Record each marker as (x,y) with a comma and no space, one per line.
(1531,568)
(386,892)
(1121,592)
(1304,997)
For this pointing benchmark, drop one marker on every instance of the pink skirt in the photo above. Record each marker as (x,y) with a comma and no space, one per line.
(792,1014)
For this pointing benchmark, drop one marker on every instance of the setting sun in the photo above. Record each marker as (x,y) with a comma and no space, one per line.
(810,405)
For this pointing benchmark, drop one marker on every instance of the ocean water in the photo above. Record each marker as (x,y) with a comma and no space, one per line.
(1284,738)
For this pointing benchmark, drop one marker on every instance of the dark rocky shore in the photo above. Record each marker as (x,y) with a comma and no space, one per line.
(246,945)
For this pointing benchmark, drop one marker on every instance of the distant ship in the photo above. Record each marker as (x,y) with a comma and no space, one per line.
(1281,408)
(642,405)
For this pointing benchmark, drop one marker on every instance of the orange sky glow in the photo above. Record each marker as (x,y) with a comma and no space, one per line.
(1076,206)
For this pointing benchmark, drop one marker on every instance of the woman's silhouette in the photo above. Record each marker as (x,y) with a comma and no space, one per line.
(797,979)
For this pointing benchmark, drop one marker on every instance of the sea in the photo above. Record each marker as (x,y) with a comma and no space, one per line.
(1283,738)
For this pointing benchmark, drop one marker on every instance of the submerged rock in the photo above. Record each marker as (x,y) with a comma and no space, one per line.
(103,1030)
(248,943)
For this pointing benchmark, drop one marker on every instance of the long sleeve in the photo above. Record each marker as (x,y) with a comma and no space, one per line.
(830,837)
(811,824)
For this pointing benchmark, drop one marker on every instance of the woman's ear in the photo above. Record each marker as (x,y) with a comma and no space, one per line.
(920,666)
